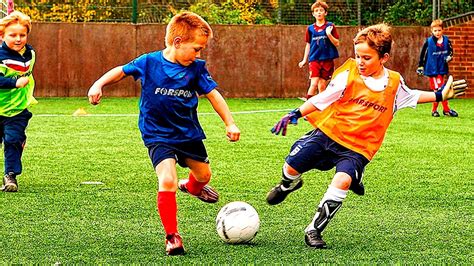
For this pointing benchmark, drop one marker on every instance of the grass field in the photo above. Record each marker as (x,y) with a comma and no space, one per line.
(418,207)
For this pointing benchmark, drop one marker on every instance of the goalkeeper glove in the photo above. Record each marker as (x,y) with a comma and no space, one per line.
(451,89)
(419,71)
(290,118)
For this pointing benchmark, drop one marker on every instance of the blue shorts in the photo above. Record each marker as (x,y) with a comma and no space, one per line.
(315,150)
(192,150)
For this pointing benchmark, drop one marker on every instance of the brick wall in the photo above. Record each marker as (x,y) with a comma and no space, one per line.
(460,31)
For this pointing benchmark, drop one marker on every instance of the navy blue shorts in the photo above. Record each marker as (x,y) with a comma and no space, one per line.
(315,150)
(192,150)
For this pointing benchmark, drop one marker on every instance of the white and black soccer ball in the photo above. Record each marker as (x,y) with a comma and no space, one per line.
(237,222)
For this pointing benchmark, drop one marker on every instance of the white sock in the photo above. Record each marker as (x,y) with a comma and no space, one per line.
(293,178)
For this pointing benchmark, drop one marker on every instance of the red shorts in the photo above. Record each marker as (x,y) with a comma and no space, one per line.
(321,69)
(436,82)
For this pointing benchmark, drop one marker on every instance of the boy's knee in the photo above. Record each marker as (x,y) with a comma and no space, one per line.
(290,170)
(342,181)
(203,176)
(14,139)
(167,183)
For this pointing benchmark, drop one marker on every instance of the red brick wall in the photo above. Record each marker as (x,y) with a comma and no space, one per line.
(462,39)
(246,61)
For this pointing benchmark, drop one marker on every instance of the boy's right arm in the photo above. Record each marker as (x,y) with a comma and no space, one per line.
(421,62)
(112,76)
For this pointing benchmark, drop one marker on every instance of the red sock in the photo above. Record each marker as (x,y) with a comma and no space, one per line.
(445,106)
(168,210)
(435,106)
(194,187)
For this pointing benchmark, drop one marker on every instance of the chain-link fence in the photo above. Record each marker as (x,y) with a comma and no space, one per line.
(296,12)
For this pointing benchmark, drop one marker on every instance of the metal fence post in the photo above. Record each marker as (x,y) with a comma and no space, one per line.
(134,11)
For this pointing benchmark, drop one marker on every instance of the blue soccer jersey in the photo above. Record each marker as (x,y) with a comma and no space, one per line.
(321,47)
(169,98)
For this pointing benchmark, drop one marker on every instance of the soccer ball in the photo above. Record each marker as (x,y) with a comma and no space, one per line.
(237,222)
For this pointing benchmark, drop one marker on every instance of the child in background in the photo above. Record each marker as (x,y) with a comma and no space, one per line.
(171,81)
(350,118)
(320,50)
(435,55)
(16,92)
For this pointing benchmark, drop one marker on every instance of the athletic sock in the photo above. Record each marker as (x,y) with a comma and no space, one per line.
(332,194)
(193,186)
(168,210)
(445,106)
(435,106)
(289,181)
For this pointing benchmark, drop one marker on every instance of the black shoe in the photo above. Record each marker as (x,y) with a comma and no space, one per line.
(451,113)
(314,239)
(358,189)
(9,183)
(277,194)
(435,114)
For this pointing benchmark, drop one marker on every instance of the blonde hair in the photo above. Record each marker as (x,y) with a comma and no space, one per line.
(319,4)
(16,17)
(378,37)
(437,23)
(185,25)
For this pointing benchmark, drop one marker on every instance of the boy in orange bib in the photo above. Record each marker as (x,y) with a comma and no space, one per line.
(350,118)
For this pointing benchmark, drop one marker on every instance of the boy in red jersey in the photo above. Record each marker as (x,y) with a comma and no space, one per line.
(320,50)
(171,81)
(350,118)
(435,55)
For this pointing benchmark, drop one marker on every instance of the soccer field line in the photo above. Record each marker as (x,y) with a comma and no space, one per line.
(135,115)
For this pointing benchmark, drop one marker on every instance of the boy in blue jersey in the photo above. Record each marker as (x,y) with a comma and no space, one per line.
(17,59)
(435,55)
(320,50)
(171,81)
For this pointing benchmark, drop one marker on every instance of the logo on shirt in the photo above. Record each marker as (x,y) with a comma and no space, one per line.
(174,92)
(376,107)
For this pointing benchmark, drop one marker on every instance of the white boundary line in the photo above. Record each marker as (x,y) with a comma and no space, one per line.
(135,115)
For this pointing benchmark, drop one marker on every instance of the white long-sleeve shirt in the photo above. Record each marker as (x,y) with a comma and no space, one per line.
(335,89)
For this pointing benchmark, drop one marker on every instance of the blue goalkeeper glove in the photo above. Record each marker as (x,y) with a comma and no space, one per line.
(290,118)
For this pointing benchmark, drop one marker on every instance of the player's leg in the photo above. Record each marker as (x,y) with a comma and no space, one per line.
(167,206)
(435,85)
(307,153)
(313,88)
(290,181)
(14,138)
(194,156)
(197,183)
(350,167)
(164,161)
(326,71)
(327,208)
(314,74)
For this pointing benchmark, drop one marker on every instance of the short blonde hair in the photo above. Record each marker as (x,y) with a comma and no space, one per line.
(16,17)
(378,37)
(185,25)
(437,23)
(319,4)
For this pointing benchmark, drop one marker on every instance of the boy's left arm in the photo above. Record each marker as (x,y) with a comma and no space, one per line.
(332,34)
(451,89)
(222,109)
